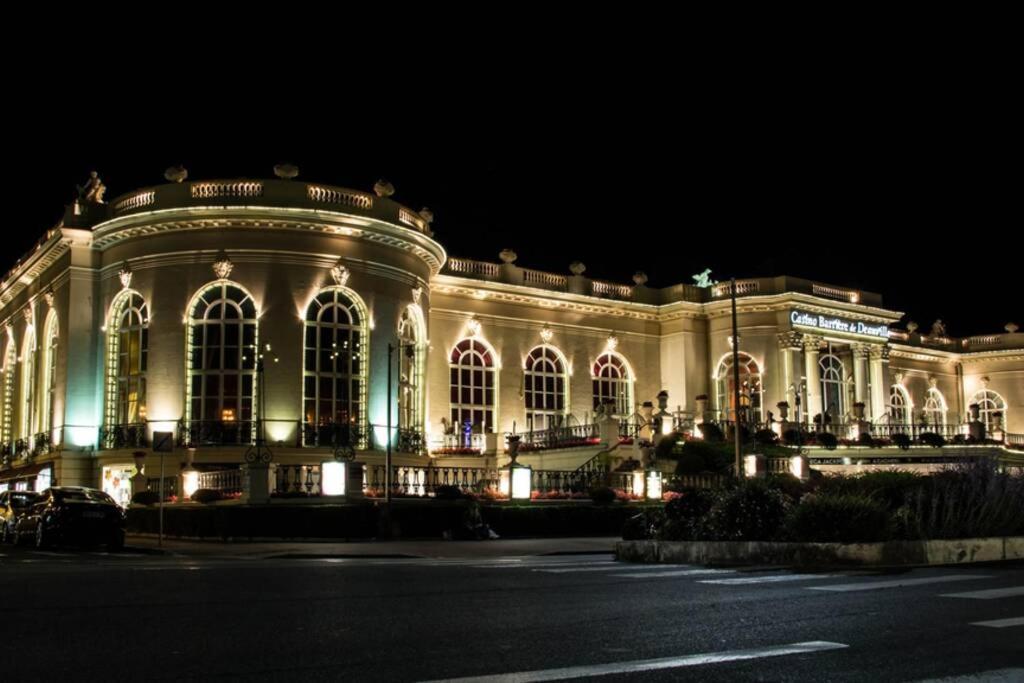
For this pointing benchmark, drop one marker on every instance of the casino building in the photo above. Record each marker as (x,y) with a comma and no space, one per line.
(196,307)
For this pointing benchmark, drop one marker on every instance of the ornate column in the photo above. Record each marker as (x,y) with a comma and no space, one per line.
(879,368)
(860,373)
(812,373)
(789,345)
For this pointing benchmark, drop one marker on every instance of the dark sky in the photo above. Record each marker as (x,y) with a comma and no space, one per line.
(897,178)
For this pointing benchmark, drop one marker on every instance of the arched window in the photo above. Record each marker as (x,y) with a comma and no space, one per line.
(473,382)
(989,403)
(51,332)
(833,388)
(899,405)
(411,368)
(10,370)
(222,337)
(935,408)
(28,384)
(545,382)
(613,384)
(127,359)
(335,347)
(750,388)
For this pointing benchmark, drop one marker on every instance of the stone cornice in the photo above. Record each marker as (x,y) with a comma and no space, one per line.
(47,251)
(270,218)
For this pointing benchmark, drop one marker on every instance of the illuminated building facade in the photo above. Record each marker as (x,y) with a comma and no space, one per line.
(186,307)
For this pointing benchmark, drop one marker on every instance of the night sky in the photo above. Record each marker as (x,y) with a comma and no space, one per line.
(900,185)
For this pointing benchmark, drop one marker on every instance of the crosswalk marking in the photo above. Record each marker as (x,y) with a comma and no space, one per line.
(899,583)
(681,572)
(745,580)
(991,594)
(641,665)
(1001,623)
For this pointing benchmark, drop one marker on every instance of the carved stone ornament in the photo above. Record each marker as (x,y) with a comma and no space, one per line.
(984,382)
(1011,328)
(383,188)
(286,171)
(546,334)
(473,327)
(27,312)
(577,268)
(417,293)
(427,215)
(640,278)
(48,298)
(932,381)
(222,265)
(612,343)
(340,274)
(176,174)
(92,191)
(508,256)
(125,275)
(897,378)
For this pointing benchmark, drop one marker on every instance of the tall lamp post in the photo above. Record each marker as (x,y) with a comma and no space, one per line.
(736,382)
(259,453)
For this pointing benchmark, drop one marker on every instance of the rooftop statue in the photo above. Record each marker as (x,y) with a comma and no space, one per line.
(704,279)
(938,329)
(92,191)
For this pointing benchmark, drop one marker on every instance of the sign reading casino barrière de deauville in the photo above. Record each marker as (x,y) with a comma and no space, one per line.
(833,324)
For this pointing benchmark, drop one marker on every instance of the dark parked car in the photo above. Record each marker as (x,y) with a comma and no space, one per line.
(73,514)
(13,504)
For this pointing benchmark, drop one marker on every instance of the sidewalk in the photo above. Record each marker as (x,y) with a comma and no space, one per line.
(516,547)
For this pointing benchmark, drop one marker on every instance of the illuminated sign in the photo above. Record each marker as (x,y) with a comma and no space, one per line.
(833,324)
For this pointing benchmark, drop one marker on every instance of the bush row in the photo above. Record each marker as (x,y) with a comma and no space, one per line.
(969,501)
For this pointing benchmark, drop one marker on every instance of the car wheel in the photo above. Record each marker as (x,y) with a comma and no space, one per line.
(41,541)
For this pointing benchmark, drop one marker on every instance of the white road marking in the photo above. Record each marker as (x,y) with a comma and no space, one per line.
(744,580)
(993,676)
(651,664)
(1000,623)
(899,583)
(681,572)
(991,594)
(612,566)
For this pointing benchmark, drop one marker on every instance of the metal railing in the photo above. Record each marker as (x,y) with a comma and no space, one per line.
(575,436)
(225,481)
(458,444)
(424,481)
(132,435)
(216,432)
(297,479)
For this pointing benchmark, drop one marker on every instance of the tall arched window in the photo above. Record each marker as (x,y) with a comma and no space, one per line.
(127,360)
(10,370)
(613,384)
(334,367)
(833,388)
(899,405)
(544,388)
(222,337)
(51,332)
(750,388)
(473,381)
(411,368)
(28,384)
(935,408)
(989,403)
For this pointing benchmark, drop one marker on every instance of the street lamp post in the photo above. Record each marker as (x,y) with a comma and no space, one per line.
(259,453)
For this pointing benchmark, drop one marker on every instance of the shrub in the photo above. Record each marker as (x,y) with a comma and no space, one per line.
(766,437)
(644,525)
(750,512)
(668,447)
(932,440)
(790,486)
(827,440)
(889,488)
(690,463)
(206,496)
(146,498)
(901,440)
(699,456)
(712,432)
(864,439)
(602,495)
(972,500)
(684,513)
(792,437)
(838,519)
(448,492)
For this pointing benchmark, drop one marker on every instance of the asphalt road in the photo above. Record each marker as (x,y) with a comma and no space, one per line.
(142,617)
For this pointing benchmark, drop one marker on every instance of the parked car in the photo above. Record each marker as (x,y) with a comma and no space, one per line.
(73,514)
(13,504)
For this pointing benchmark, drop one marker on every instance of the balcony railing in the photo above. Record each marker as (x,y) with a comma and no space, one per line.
(226,481)
(576,436)
(216,433)
(424,481)
(131,435)
(457,444)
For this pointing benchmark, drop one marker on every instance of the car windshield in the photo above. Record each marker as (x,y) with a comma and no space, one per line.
(20,500)
(82,496)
